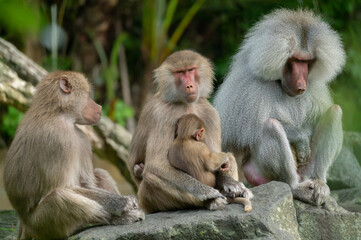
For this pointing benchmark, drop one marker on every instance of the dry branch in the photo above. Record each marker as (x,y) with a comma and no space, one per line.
(18,77)
(26,68)
(13,90)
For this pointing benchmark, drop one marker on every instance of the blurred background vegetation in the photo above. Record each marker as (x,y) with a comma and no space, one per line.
(117,44)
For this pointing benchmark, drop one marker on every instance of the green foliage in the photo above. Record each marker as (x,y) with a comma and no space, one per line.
(20,17)
(110,70)
(115,108)
(122,112)
(157,19)
(10,121)
(213,28)
(118,111)
(63,62)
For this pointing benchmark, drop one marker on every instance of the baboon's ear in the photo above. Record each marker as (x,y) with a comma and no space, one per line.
(198,134)
(65,85)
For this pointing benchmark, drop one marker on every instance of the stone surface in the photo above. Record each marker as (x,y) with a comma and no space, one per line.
(8,223)
(329,222)
(275,215)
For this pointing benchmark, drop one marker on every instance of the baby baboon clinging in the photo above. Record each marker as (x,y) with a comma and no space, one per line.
(276,96)
(190,154)
(184,81)
(49,176)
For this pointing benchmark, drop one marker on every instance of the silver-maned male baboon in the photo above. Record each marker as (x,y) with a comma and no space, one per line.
(276,111)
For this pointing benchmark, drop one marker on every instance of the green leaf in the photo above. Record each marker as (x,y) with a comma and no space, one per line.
(182,27)
(20,17)
(122,112)
(11,120)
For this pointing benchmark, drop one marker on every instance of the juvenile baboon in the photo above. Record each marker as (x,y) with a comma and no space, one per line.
(49,176)
(184,81)
(190,154)
(276,97)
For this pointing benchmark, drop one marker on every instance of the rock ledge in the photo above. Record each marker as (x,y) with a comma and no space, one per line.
(275,215)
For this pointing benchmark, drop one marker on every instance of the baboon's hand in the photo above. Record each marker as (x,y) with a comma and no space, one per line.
(138,170)
(236,189)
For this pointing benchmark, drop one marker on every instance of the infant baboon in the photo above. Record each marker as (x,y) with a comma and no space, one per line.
(49,176)
(190,154)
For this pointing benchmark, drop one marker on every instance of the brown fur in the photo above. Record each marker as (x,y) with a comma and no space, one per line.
(49,176)
(162,187)
(189,154)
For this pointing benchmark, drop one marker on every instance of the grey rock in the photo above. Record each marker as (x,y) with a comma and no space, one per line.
(273,217)
(8,223)
(328,222)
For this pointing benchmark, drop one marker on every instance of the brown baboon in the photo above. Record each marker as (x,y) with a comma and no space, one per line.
(184,81)
(49,176)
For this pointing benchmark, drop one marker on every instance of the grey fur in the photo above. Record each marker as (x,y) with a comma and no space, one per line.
(257,115)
